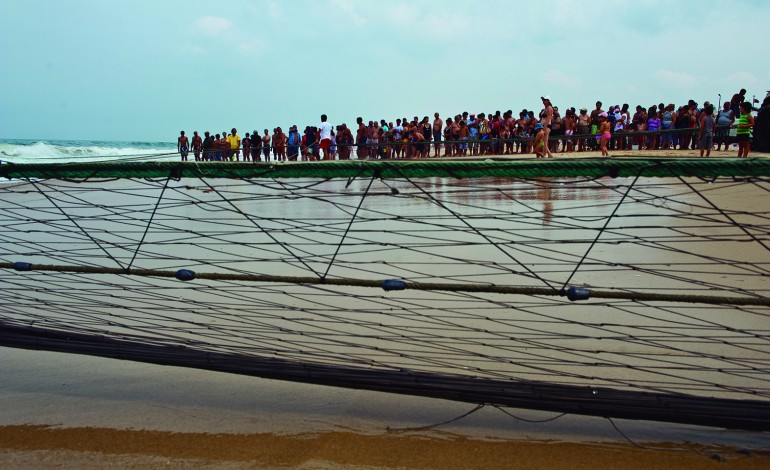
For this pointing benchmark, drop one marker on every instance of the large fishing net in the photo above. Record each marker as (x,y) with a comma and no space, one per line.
(634,288)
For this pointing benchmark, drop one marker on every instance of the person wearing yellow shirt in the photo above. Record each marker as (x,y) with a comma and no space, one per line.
(235,144)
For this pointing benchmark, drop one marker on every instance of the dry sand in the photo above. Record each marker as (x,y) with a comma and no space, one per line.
(733,152)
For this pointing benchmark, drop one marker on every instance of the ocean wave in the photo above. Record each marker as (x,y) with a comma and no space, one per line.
(83,151)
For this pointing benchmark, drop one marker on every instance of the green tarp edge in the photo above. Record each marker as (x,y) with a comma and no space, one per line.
(478,168)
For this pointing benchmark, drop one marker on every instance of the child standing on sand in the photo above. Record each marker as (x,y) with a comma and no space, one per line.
(604,134)
(745,123)
(539,141)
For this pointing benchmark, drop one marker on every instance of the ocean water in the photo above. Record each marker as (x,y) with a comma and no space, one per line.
(67,151)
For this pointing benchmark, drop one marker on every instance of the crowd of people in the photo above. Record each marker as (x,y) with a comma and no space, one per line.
(659,126)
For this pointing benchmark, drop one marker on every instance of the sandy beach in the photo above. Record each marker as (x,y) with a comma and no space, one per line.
(69,411)
(66,411)
(733,152)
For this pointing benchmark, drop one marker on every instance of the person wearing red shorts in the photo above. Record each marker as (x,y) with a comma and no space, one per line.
(325,130)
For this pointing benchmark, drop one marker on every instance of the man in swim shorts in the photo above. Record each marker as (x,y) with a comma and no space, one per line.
(361,133)
(473,130)
(437,125)
(183,145)
(326,137)
(197,142)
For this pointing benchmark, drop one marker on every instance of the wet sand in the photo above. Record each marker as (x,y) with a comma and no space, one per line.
(66,411)
(32,446)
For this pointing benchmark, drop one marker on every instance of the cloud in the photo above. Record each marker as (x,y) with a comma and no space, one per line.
(437,26)
(445,26)
(213,26)
(346,7)
(225,33)
(674,78)
(560,79)
(743,78)
(252,46)
(274,11)
(401,13)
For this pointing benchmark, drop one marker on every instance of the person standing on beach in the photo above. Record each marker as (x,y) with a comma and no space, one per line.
(235,144)
(224,144)
(256,147)
(539,145)
(325,130)
(595,121)
(293,143)
(183,145)
(208,146)
(473,130)
(706,130)
(437,125)
(196,146)
(547,120)
(246,143)
(725,120)
(735,102)
(266,146)
(583,128)
(361,151)
(398,132)
(345,140)
(604,133)
(745,123)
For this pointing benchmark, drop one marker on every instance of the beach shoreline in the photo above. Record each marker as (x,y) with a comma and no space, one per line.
(64,410)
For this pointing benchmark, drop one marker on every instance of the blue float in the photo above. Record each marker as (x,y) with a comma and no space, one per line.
(185,275)
(393,284)
(578,293)
(22,266)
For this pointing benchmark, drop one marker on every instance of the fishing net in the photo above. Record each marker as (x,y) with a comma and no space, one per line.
(627,288)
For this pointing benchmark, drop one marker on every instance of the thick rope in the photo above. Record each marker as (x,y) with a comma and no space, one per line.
(422,286)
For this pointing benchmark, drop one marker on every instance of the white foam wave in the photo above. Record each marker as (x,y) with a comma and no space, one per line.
(43,152)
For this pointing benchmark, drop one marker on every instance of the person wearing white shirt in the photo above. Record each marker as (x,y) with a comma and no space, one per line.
(326,137)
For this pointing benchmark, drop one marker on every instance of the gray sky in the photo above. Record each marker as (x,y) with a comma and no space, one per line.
(144,70)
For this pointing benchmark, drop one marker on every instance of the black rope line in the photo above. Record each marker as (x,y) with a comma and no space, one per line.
(347,230)
(432,426)
(519,418)
(149,223)
(601,231)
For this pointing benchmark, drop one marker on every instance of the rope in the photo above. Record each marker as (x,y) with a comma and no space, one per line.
(347,229)
(420,286)
(600,232)
(149,223)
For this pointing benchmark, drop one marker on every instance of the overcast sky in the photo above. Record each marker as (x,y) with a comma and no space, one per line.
(146,69)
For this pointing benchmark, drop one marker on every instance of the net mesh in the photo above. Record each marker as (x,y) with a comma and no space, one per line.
(639,239)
